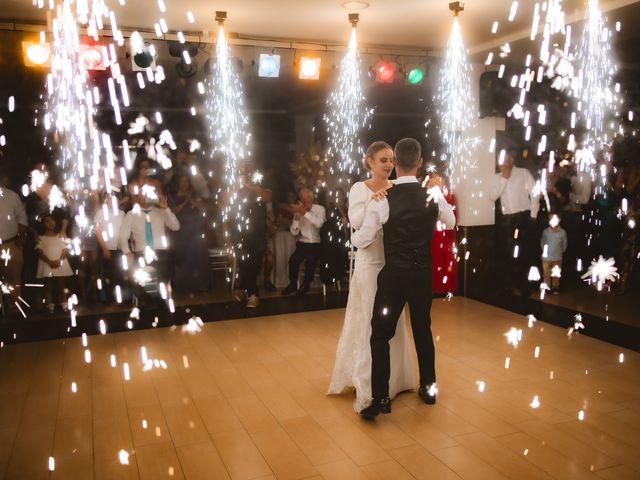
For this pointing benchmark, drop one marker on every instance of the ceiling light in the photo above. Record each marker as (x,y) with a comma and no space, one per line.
(93,57)
(415,76)
(269,66)
(355,6)
(309,68)
(36,54)
(385,72)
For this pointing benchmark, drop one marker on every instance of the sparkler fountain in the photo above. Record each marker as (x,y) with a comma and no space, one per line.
(348,114)
(455,102)
(227,120)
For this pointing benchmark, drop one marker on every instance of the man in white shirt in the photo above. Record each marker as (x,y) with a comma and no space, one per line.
(146,226)
(514,187)
(307,221)
(13,233)
(407,218)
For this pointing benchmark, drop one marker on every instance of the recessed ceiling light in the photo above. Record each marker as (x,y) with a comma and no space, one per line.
(355,6)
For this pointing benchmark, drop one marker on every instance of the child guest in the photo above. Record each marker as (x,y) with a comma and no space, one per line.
(553,244)
(53,266)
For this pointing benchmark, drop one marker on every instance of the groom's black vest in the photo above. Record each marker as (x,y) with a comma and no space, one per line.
(407,233)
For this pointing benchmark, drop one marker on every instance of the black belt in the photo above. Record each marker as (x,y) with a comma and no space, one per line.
(527,212)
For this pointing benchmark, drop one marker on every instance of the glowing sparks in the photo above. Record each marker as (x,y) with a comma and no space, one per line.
(577,325)
(514,336)
(601,271)
(481,385)
(455,106)
(347,116)
(535,403)
(123,457)
(227,121)
(581,415)
(594,85)
(194,325)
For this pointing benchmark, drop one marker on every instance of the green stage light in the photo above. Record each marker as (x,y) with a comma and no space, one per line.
(415,76)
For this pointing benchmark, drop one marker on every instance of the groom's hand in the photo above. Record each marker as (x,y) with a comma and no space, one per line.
(434,194)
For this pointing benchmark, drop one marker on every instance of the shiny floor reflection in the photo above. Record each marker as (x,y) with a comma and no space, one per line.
(245,399)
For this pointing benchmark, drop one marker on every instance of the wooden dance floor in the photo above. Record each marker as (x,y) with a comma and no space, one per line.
(245,399)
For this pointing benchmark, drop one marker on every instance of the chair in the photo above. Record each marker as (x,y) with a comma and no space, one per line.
(219,260)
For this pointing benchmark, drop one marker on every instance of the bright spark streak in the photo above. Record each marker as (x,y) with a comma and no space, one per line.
(227,121)
(594,86)
(514,336)
(347,115)
(535,403)
(600,271)
(455,105)
(194,325)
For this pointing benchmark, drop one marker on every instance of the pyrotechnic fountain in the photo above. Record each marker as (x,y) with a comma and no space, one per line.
(227,120)
(455,102)
(348,116)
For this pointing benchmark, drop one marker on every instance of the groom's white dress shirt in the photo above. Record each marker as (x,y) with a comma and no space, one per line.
(377,215)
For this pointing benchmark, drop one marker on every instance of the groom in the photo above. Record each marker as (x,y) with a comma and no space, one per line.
(407,217)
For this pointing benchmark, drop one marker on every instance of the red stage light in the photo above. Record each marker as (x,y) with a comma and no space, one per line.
(93,57)
(385,72)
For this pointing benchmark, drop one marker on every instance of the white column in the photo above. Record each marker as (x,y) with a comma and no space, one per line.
(474,206)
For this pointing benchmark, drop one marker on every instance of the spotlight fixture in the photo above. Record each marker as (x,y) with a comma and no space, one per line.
(385,71)
(36,54)
(143,53)
(309,68)
(93,57)
(415,75)
(269,66)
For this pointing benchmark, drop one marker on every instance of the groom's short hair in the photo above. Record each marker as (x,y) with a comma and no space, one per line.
(408,153)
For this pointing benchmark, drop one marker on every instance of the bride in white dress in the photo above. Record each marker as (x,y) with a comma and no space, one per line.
(353,357)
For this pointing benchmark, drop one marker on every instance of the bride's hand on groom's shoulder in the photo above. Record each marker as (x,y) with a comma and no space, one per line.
(379,195)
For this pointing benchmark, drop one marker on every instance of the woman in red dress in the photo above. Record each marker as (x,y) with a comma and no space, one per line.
(443,258)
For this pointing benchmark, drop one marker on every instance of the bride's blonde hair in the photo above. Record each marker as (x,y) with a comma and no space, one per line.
(374,148)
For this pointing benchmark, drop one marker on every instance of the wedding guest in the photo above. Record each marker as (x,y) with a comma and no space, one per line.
(38,204)
(307,221)
(285,241)
(108,224)
(553,244)
(444,266)
(249,238)
(53,266)
(514,187)
(191,267)
(145,226)
(13,233)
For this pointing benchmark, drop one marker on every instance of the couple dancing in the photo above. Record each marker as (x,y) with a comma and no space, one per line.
(393,230)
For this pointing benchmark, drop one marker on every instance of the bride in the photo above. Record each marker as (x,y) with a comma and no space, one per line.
(353,357)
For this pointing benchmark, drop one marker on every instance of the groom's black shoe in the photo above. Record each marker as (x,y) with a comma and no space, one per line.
(427,394)
(376,407)
(289,290)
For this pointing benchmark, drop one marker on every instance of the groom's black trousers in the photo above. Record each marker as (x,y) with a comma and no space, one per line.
(397,286)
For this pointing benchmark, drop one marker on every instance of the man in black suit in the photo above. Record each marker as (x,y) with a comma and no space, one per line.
(407,217)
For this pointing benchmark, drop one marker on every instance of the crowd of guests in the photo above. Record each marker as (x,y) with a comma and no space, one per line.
(564,220)
(152,237)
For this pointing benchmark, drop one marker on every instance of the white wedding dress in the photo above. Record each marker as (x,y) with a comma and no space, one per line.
(353,357)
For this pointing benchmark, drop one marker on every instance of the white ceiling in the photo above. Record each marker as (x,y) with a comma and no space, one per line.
(407,23)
